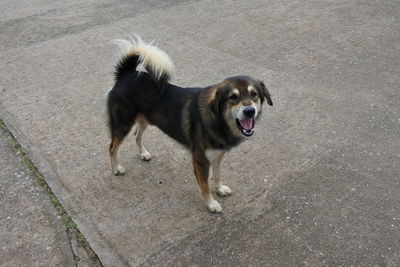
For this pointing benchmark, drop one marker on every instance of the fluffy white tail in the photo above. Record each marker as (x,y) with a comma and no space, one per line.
(156,62)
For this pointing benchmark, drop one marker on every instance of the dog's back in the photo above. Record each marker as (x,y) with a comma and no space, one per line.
(146,96)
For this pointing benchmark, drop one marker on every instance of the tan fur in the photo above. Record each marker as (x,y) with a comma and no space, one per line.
(113,149)
(251,88)
(201,168)
(115,143)
(206,99)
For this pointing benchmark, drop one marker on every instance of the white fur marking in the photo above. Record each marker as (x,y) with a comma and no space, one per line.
(240,115)
(235,91)
(214,156)
(116,168)
(251,88)
(213,205)
(144,154)
(223,190)
(150,56)
(119,170)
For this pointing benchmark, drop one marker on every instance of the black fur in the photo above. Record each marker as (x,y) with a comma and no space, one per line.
(200,119)
(138,94)
(165,105)
(125,65)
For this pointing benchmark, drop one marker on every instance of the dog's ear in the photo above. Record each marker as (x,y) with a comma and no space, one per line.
(214,102)
(266,93)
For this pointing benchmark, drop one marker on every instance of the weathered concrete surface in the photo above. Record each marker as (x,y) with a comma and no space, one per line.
(30,232)
(317,184)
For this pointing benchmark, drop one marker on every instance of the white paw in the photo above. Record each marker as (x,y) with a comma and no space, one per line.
(214,206)
(145,156)
(119,170)
(223,190)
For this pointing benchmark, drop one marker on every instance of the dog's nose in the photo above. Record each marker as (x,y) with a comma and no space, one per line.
(249,111)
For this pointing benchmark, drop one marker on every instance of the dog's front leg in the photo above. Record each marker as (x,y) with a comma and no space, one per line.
(201,168)
(215,157)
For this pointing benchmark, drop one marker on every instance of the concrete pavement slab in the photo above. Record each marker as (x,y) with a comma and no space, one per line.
(317,184)
(30,232)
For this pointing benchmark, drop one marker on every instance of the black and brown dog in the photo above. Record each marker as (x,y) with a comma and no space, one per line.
(208,121)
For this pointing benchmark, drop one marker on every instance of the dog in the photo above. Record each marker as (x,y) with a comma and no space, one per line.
(207,121)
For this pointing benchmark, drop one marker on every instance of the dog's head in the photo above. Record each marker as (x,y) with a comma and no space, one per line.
(238,100)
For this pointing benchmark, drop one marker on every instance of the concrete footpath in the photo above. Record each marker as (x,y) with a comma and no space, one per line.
(319,182)
(31,232)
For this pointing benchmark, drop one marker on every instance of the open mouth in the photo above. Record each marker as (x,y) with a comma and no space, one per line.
(246,126)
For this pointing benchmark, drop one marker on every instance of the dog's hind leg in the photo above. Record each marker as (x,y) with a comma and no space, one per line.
(113,149)
(141,125)
(121,121)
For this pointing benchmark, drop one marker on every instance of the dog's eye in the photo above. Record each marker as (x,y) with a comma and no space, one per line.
(233,97)
(254,94)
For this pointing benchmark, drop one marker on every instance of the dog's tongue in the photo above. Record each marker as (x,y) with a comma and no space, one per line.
(246,124)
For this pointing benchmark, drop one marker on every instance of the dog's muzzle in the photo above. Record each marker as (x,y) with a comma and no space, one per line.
(246,122)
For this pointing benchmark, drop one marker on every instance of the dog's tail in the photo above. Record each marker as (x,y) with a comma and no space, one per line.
(135,51)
